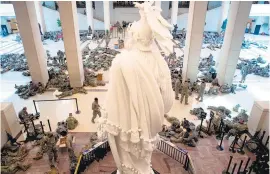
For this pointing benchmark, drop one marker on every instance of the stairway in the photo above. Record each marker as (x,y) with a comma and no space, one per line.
(160,162)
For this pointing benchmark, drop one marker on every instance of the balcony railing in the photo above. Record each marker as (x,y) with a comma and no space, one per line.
(89,156)
(125,4)
(181,4)
(175,153)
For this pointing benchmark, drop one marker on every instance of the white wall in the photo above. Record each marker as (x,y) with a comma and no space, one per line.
(212,19)
(182,21)
(4,22)
(50,17)
(260,10)
(260,20)
(166,13)
(98,12)
(125,14)
(82,21)
(81,10)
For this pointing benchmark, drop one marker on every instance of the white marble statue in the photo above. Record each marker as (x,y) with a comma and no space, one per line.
(140,93)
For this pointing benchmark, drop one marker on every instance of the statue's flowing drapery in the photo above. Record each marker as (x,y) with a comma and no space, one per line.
(139,94)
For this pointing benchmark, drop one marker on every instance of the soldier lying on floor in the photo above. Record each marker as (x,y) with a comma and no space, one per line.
(238,128)
(189,138)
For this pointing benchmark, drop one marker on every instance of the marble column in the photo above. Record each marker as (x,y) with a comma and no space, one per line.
(70,27)
(158,4)
(31,39)
(89,13)
(174,12)
(106,9)
(194,39)
(224,14)
(40,16)
(234,35)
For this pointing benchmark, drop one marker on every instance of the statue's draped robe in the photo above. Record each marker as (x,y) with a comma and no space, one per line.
(140,92)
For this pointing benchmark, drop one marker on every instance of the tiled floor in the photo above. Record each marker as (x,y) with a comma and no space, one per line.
(204,154)
(160,162)
(204,158)
(42,165)
(207,159)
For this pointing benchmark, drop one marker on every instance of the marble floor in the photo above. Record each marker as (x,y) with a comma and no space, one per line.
(160,162)
(55,111)
(205,158)
(258,89)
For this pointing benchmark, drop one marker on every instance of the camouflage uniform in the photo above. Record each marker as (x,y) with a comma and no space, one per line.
(50,142)
(96,110)
(177,88)
(72,122)
(185,93)
(244,73)
(201,91)
(23,115)
(13,168)
(187,138)
(237,128)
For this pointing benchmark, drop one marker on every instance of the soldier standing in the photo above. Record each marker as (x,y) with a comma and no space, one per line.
(23,114)
(244,73)
(50,142)
(201,91)
(184,93)
(177,88)
(96,109)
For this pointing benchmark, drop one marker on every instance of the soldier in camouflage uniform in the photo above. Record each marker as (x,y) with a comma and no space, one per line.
(72,122)
(23,114)
(237,128)
(201,91)
(185,92)
(177,88)
(96,109)
(189,137)
(244,73)
(13,167)
(50,142)
(10,159)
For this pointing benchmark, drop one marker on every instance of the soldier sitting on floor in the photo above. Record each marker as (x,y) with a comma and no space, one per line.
(72,122)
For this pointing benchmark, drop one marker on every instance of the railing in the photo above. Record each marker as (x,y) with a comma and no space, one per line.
(90,155)
(175,153)
(76,101)
(125,4)
(82,4)
(181,4)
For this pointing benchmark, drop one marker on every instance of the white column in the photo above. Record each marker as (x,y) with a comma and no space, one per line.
(31,39)
(69,21)
(259,118)
(158,4)
(106,8)
(9,121)
(234,35)
(224,14)
(89,13)
(40,16)
(174,12)
(194,38)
